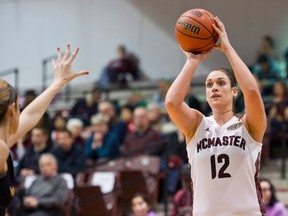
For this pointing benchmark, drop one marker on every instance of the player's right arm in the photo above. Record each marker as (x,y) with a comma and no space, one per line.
(63,74)
(185,118)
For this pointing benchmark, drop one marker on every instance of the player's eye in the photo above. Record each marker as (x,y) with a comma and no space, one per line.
(221,83)
(209,84)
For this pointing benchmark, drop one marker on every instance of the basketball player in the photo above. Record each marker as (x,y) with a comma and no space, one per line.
(14,125)
(223,150)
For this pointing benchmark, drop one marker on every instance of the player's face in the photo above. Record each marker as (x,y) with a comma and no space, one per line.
(219,91)
(139,206)
(266,191)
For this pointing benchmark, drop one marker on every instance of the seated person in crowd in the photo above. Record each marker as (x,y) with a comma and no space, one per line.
(160,121)
(76,126)
(268,48)
(140,206)
(126,115)
(286,64)
(85,107)
(135,99)
(47,194)
(159,96)
(102,143)
(59,124)
(277,118)
(120,70)
(182,199)
(143,140)
(70,156)
(28,165)
(116,125)
(267,72)
(273,206)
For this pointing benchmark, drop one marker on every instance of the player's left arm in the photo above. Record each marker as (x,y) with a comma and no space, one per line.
(63,74)
(255,116)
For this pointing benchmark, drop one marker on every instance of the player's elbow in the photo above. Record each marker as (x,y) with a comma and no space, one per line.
(253,92)
(171,102)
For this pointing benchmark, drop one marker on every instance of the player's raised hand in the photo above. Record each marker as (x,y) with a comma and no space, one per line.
(62,66)
(220,29)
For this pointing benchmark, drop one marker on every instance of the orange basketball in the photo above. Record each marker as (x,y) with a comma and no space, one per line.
(194,31)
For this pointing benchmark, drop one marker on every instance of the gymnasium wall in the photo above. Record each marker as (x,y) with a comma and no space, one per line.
(32,29)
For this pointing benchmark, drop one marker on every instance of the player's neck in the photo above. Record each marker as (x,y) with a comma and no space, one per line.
(221,117)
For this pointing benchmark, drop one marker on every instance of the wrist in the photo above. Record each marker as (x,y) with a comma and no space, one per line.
(228,49)
(57,84)
(190,62)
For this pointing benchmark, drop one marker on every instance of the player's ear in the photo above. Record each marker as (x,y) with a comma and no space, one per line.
(234,91)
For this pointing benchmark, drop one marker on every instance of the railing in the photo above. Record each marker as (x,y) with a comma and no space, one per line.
(15,72)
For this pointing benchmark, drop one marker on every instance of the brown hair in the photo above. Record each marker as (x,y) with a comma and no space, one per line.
(233,83)
(230,74)
(8,95)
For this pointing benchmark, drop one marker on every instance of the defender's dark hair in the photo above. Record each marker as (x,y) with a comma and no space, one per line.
(8,95)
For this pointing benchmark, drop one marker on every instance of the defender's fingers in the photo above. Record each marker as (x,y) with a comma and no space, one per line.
(67,53)
(53,62)
(73,56)
(59,57)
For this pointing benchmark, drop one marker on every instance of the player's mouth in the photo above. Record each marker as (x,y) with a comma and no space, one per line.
(215,96)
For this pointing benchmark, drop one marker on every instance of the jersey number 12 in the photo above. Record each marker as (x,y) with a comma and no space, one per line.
(220,159)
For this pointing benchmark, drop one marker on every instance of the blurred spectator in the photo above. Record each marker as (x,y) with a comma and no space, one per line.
(193,102)
(286,64)
(136,99)
(273,206)
(265,68)
(159,96)
(278,117)
(28,165)
(70,156)
(182,200)
(143,139)
(116,125)
(48,193)
(155,117)
(140,206)
(85,107)
(102,143)
(126,115)
(28,97)
(76,126)
(160,121)
(123,68)
(267,72)
(268,48)
(59,124)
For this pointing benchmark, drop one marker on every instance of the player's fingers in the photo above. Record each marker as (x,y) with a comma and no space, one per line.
(53,62)
(219,23)
(216,28)
(59,57)
(73,56)
(81,73)
(67,53)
